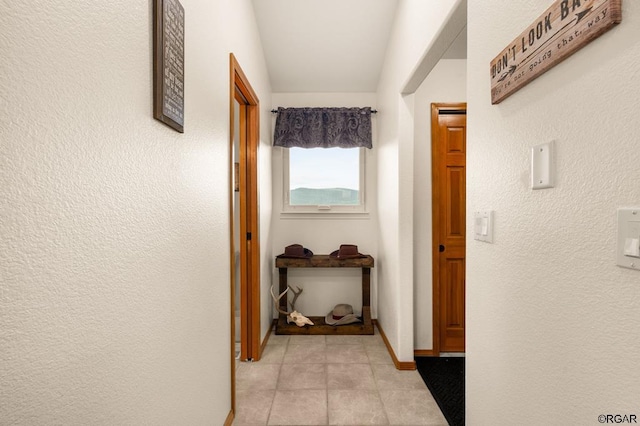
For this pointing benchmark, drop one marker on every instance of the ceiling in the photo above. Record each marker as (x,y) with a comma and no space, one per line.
(324,45)
(328,45)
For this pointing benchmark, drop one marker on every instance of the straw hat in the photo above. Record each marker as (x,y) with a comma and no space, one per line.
(340,315)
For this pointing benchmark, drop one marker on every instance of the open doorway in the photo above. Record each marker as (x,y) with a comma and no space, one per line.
(439,89)
(440,76)
(244,232)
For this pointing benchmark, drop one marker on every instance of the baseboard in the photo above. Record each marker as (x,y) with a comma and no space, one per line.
(229,419)
(424,352)
(404,365)
(266,337)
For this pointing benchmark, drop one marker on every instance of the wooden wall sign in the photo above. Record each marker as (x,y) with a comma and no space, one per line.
(168,63)
(564,28)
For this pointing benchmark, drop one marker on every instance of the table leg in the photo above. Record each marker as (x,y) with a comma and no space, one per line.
(366,297)
(366,286)
(283,287)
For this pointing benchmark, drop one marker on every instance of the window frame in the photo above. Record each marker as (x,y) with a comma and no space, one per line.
(323,209)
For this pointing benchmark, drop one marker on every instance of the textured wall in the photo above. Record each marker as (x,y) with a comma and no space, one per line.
(552,322)
(114,233)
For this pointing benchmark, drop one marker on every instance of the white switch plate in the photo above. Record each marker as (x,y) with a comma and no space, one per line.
(542,166)
(483,226)
(628,238)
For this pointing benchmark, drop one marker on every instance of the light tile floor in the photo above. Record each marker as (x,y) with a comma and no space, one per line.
(331,380)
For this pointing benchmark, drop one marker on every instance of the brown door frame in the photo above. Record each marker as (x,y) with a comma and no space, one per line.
(436,222)
(249,119)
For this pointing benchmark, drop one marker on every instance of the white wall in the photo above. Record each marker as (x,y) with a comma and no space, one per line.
(552,322)
(416,26)
(115,229)
(324,288)
(446,83)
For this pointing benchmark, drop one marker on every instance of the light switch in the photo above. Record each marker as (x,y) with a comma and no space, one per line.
(542,166)
(632,247)
(628,250)
(483,226)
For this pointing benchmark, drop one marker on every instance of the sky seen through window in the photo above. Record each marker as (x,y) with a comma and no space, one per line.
(323,168)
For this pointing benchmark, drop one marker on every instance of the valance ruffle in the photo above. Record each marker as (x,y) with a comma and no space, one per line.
(323,128)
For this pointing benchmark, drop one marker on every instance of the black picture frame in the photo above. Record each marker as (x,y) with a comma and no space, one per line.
(168,63)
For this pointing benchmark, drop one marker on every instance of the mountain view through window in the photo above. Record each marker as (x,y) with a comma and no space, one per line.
(324,176)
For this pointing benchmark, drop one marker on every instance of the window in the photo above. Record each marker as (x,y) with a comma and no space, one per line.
(324,180)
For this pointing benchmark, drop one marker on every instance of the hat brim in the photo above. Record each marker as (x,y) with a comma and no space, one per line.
(336,254)
(307,254)
(347,319)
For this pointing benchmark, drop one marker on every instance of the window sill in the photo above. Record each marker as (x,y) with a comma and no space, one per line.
(325,215)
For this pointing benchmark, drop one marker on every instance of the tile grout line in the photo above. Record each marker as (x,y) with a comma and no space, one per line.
(375,383)
(275,391)
(326,381)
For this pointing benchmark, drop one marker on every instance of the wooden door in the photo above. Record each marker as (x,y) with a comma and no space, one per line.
(244,111)
(449,143)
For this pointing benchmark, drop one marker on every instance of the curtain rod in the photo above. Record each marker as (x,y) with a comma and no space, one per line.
(373,111)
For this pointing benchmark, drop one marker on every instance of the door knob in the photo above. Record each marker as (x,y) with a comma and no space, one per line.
(441,248)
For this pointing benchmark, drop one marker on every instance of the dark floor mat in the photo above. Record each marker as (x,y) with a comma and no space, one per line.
(444,376)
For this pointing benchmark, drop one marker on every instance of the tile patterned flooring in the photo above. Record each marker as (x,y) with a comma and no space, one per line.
(331,380)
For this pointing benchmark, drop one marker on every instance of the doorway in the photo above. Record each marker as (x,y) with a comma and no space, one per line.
(244,219)
(448,145)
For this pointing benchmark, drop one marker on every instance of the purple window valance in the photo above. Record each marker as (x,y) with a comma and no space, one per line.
(323,128)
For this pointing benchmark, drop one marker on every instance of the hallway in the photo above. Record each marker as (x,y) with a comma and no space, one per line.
(115,242)
(331,380)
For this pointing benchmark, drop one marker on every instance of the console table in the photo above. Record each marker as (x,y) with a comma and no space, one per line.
(320,327)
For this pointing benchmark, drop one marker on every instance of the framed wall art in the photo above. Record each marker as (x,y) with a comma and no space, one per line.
(563,29)
(168,63)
